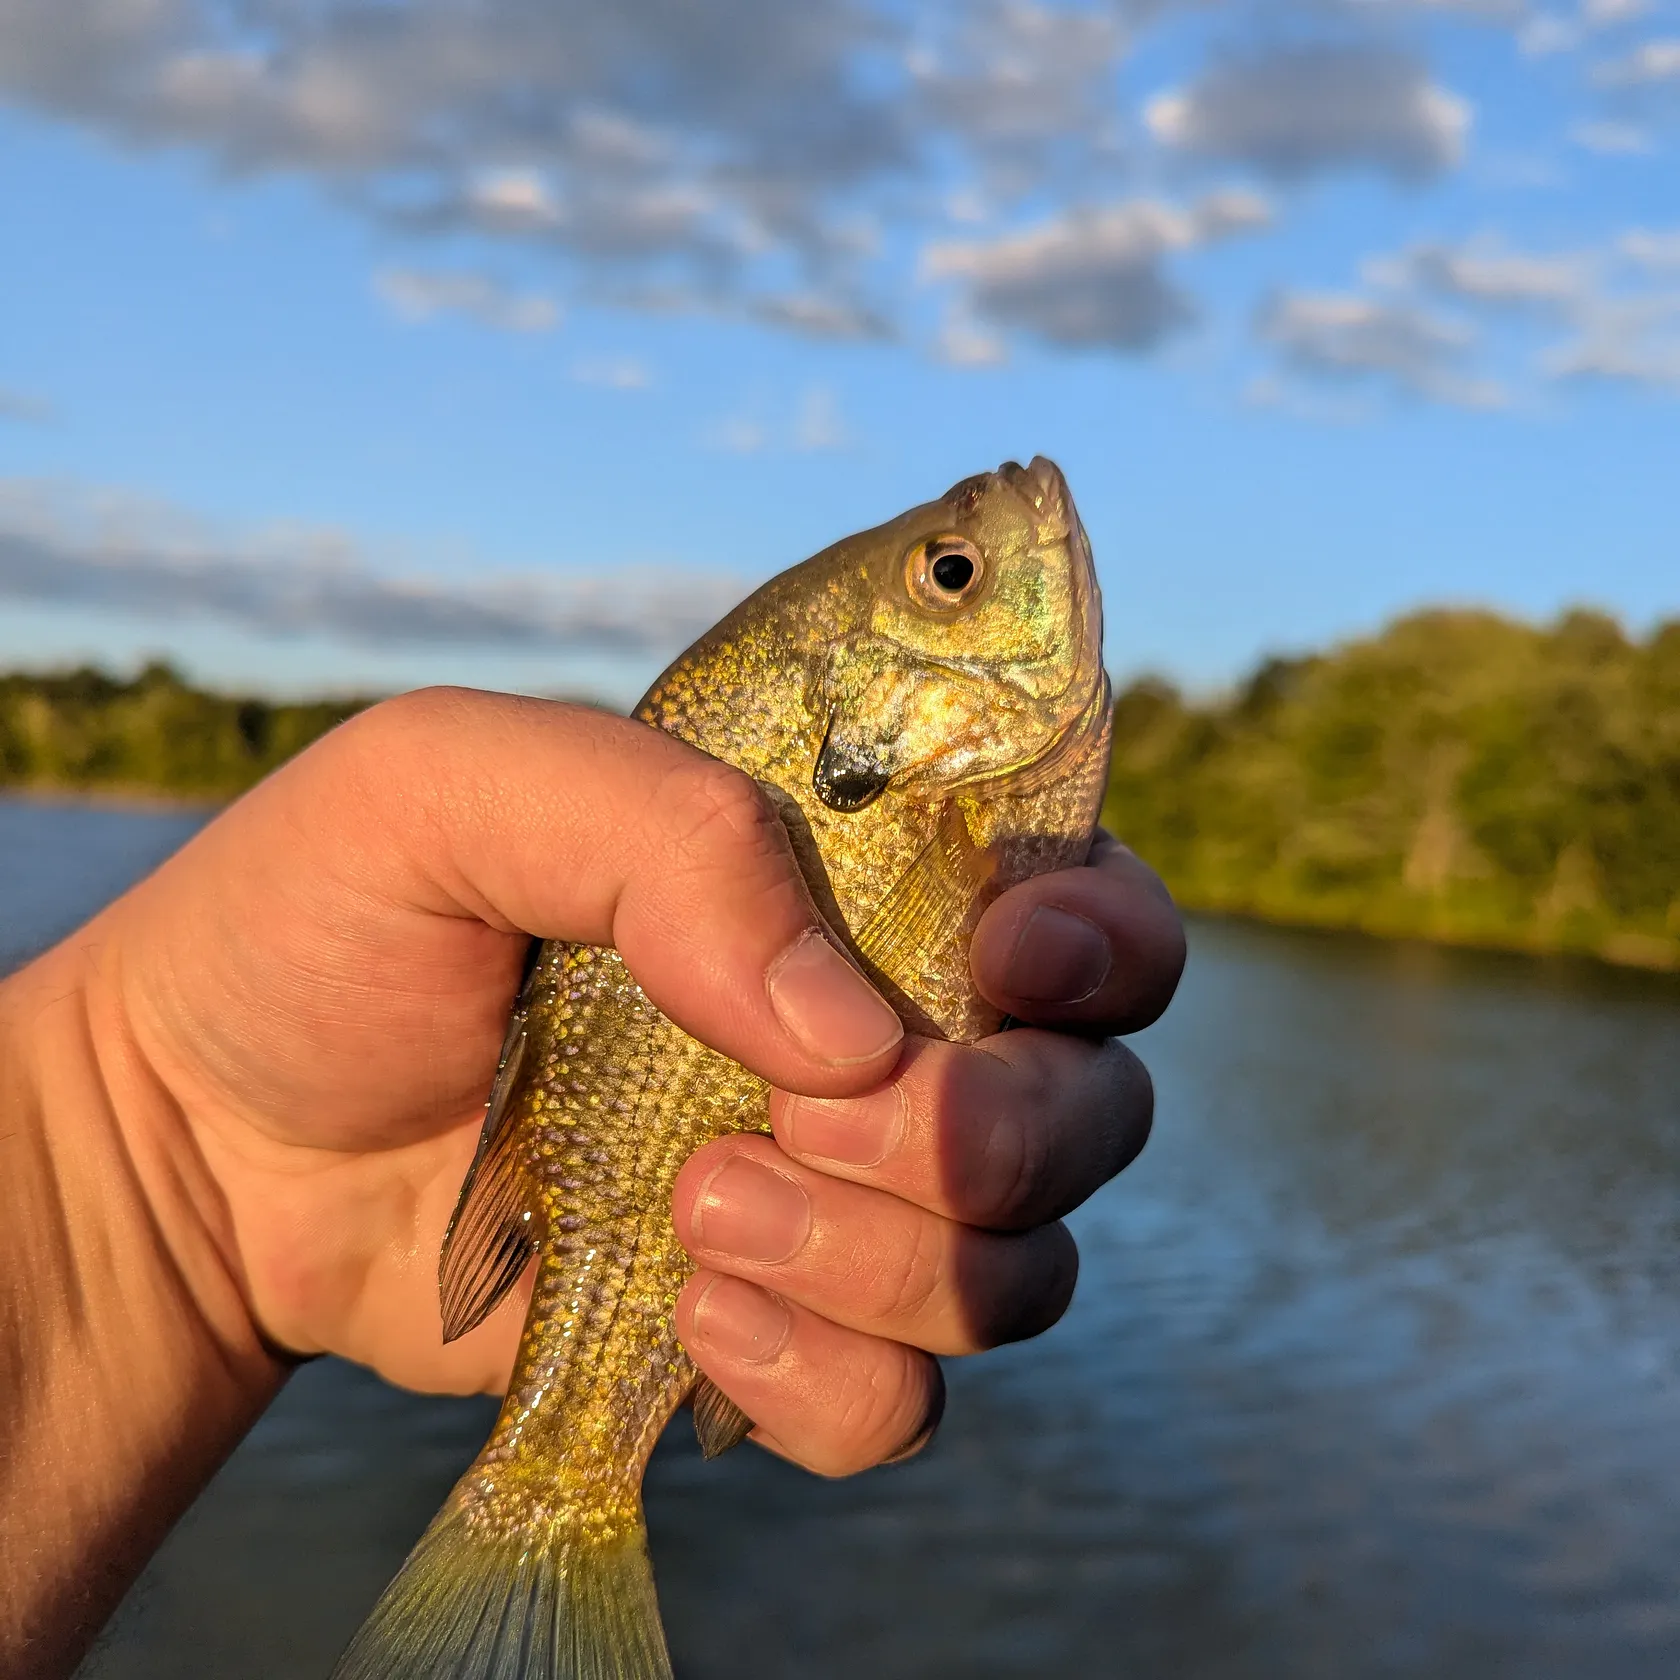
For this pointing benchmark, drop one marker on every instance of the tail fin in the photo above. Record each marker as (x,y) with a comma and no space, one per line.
(473,1606)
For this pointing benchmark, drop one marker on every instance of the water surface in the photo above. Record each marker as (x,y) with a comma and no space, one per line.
(1374,1369)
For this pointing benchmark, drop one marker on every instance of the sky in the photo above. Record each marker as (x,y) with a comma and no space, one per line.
(355,344)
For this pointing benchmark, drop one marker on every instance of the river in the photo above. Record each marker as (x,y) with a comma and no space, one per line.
(1374,1370)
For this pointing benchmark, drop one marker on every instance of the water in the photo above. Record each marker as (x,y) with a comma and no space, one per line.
(1374,1369)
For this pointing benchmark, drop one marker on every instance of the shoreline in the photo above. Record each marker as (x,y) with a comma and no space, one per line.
(1628,951)
(136,799)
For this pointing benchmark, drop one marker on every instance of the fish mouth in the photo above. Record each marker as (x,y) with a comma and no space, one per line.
(846,779)
(1042,485)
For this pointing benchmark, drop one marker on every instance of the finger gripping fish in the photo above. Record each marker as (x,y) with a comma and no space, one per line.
(926,707)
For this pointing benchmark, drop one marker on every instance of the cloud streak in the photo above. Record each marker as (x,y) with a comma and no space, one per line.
(1092,279)
(801,166)
(744,157)
(24,406)
(1617,303)
(418,295)
(114,555)
(1345,337)
(1301,110)
(1489,273)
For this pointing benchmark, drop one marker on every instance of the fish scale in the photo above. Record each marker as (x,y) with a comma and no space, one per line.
(599,1343)
(924,705)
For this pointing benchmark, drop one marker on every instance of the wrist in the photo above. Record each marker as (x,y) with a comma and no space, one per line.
(130,1365)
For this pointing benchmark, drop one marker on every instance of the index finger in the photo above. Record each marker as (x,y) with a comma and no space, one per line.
(1098,947)
(569,823)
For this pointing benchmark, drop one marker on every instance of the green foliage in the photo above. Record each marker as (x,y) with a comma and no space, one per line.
(153,734)
(1458,777)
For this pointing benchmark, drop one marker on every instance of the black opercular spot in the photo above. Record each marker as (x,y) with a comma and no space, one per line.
(953,572)
(851,793)
(844,782)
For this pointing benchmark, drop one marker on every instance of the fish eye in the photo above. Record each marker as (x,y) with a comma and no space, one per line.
(944,572)
(952,572)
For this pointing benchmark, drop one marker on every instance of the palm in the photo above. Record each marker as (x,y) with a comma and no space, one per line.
(334,1046)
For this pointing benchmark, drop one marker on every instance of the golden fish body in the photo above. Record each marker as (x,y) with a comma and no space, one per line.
(926,706)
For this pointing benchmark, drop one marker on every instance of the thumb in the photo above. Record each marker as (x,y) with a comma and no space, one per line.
(570,823)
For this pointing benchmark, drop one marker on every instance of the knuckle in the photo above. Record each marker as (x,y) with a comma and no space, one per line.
(884,1409)
(928,1417)
(419,708)
(718,814)
(911,1279)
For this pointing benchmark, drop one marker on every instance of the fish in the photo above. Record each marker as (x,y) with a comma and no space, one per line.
(926,708)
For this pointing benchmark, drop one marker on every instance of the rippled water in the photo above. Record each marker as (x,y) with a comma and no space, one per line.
(1374,1369)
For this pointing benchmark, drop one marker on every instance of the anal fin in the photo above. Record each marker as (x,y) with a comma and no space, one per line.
(719,1423)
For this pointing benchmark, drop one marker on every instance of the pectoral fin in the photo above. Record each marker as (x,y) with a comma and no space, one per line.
(929,903)
(493,1232)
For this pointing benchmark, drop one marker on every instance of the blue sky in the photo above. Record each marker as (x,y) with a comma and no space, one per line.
(362,345)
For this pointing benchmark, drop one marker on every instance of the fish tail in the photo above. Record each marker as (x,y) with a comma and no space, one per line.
(472,1605)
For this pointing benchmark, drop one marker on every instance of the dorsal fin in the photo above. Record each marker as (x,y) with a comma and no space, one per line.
(493,1231)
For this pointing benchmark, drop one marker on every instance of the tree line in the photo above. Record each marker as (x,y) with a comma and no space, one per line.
(1458,777)
(151,734)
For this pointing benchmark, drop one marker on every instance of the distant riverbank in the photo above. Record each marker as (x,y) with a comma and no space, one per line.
(139,799)
(1459,778)
(151,737)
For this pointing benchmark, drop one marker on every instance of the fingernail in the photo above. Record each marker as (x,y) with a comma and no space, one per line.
(858,1131)
(751,1212)
(1058,958)
(828,1006)
(740,1321)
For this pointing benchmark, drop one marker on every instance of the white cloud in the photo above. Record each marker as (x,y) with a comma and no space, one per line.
(818,424)
(1612,14)
(821,317)
(963,342)
(1622,328)
(1092,278)
(522,197)
(636,134)
(1546,34)
(1344,337)
(1624,341)
(1024,84)
(1612,139)
(1657,248)
(79,546)
(737,434)
(1653,64)
(773,162)
(1502,12)
(418,295)
(1301,110)
(620,373)
(24,406)
(1487,271)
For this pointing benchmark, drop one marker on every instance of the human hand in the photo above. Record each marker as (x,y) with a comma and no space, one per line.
(924,1217)
(316,988)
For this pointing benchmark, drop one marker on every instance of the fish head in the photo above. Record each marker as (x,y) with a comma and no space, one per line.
(981,648)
